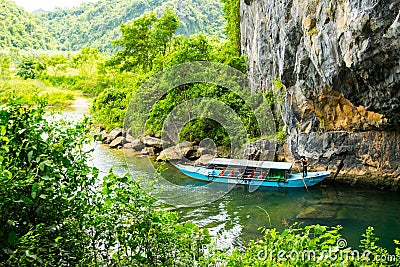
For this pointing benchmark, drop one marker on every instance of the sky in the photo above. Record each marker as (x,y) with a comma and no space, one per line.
(48,5)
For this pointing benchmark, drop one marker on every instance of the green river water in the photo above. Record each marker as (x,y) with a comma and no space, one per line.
(235,218)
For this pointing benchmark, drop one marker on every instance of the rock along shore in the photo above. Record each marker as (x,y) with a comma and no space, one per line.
(359,159)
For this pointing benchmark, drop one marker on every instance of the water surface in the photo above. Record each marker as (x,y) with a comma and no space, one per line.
(235,218)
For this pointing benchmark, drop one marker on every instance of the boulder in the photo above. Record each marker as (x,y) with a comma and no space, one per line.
(128,146)
(117,142)
(136,144)
(193,154)
(171,154)
(153,142)
(133,143)
(113,134)
(129,138)
(184,148)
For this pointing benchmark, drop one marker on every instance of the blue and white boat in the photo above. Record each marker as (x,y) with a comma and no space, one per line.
(250,172)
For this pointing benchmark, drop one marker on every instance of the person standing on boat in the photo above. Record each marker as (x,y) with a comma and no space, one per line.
(304,165)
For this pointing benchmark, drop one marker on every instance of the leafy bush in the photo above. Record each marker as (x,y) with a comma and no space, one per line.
(57,211)
(43,179)
(29,68)
(313,245)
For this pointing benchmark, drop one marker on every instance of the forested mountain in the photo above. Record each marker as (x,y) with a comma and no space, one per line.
(96,24)
(21,29)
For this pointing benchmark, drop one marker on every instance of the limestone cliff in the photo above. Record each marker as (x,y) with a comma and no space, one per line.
(340,63)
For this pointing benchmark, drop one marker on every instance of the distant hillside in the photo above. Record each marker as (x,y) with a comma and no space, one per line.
(21,29)
(96,24)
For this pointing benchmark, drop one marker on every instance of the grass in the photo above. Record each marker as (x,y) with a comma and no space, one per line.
(27,91)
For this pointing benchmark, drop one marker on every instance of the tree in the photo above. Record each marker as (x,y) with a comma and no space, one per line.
(86,61)
(56,63)
(164,29)
(29,68)
(144,39)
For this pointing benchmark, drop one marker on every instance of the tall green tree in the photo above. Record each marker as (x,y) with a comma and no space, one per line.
(86,61)
(30,68)
(56,64)
(144,39)
(164,29)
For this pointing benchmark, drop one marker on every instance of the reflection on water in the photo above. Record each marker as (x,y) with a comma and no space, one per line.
(236,217)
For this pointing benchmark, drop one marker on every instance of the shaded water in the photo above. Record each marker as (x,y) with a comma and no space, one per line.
(235,218)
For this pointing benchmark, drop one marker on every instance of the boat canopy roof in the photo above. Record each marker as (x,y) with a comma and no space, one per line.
(222,162)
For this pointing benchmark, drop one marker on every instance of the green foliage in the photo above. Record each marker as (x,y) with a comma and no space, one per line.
(270,98)
(281,136)
(109,107)
(55,64)
(279,87)
(28,91)
(29,68)
(57,211)
(134,232)
(82,72)
(144,53)
(97,24)
(144,39)
(5,61)
(313,245)
(86,61)
(232,17)
(21,29)
(43,178)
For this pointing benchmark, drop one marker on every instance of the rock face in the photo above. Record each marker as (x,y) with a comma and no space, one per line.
(339,62)
(260,150)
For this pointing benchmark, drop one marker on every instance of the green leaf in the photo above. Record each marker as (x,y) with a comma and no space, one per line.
(3,130)
(41,166)
(285,233)
(35,189)
(30,154)
(107,202)
(123,179)
(105,190)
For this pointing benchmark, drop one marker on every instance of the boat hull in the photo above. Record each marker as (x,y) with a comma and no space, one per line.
(293,180)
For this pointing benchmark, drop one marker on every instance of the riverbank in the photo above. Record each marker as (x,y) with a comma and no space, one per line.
(348,166)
